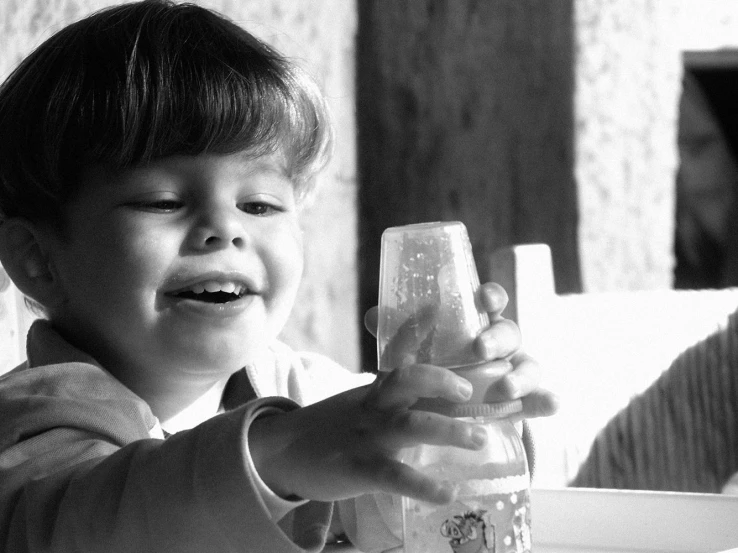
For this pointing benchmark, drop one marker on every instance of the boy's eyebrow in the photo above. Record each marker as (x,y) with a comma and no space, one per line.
(153,177)
(272,163)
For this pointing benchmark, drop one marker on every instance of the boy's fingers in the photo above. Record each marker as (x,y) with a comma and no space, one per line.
(493,299)
(402,348)
(395,477)
(409,427)
(401,388)
(541,403)
(522,380)
(498,340)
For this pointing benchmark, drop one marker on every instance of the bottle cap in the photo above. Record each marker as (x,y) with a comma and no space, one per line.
(499,410)
(481,376)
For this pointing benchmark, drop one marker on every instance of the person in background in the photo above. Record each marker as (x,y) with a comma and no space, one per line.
(706,239)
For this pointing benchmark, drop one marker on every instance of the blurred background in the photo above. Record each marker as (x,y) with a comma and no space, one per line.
(604,128)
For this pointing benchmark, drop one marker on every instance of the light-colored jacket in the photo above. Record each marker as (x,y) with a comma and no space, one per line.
(83,466)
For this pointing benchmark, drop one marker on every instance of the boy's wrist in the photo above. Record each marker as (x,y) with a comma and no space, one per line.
(265,440)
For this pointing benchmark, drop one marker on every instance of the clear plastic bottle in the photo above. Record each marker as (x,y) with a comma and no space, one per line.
(491,512)
(427,298)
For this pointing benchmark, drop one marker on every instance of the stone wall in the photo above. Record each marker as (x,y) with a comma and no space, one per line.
(628,82)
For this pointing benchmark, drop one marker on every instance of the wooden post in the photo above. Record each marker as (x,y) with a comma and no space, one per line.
(465,112)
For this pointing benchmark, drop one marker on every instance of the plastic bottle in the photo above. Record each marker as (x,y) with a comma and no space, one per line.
(427,301)
(491,512)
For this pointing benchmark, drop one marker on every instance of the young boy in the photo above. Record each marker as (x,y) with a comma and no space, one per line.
(154,160)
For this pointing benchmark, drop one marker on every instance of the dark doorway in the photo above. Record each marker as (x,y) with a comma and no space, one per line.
(706,233)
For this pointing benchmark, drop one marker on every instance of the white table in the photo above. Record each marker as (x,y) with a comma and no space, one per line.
(614,521)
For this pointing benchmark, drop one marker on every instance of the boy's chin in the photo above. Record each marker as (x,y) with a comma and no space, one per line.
(222,345)
(223,360)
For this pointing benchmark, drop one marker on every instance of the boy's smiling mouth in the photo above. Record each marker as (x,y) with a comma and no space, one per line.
(212,291)
(217,289)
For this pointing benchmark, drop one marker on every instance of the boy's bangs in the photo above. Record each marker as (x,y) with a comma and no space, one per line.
(212,94)
(222,118)
(146,80)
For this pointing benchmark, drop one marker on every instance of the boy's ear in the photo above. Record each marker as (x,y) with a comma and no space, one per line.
(24,256)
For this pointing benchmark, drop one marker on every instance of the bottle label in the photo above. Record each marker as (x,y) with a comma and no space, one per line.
(495,521)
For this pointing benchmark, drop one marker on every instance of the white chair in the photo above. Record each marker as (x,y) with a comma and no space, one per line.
(600,350)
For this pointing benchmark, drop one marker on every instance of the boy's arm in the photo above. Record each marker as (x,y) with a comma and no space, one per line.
(349,444)
(69,488)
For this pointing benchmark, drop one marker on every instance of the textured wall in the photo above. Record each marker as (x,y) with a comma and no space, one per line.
(319,34)
(627,85)
(628,82)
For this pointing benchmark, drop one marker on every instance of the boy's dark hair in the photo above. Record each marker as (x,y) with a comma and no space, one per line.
(145,80)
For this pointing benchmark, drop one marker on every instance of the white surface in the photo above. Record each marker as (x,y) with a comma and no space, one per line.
(597,350)
(617,521)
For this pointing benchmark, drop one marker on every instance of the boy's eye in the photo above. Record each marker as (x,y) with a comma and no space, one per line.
(165,206)
(259,208)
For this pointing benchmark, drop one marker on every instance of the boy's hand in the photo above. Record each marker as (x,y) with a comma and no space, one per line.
(350,444)
(500,340)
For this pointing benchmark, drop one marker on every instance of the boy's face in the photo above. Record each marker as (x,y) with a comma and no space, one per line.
(188,264)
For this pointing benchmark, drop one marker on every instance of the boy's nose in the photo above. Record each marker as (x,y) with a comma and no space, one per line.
(217,229)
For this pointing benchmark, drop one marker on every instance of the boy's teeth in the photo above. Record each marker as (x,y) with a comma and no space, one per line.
(228,287)
(214,286)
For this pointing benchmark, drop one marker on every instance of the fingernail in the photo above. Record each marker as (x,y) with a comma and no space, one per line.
(479,436)
(464,390)
(489,347)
